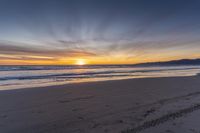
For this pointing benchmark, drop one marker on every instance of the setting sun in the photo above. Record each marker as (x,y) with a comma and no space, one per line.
(80,62)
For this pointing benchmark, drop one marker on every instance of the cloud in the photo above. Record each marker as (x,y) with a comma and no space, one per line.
(94,28)
(13,48)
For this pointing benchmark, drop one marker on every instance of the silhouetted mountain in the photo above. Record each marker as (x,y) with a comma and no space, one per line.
(172,63)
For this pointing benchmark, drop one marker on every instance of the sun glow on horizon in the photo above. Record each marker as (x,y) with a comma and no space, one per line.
(80,62)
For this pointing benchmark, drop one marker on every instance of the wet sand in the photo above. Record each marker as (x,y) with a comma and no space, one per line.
(147,105)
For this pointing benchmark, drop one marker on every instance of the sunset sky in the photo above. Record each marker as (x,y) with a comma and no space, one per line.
(64,32)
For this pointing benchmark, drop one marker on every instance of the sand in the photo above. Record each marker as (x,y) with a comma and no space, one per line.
(147,105)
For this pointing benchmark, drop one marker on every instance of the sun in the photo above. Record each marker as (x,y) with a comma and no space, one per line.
(80,62)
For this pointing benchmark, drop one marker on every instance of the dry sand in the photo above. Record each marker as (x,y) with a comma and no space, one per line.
(148,105)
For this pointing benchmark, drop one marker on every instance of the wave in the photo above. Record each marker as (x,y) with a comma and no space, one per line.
(105,73)
(12,77)
(25,68)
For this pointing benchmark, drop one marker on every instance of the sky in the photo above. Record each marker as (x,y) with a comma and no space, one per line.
(64,32)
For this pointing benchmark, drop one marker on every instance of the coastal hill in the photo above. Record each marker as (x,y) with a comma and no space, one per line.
(172,63)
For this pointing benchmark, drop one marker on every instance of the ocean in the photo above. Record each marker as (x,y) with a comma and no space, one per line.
(15,77)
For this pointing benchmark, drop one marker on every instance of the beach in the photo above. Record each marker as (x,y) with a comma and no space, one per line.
(146,105)
(99,66)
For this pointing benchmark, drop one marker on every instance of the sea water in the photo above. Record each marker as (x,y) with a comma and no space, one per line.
(15,77)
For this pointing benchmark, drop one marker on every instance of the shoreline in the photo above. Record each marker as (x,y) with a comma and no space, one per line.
(48,77)
(96,107)
(92,82)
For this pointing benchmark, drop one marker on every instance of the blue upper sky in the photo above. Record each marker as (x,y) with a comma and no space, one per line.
(122,31)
